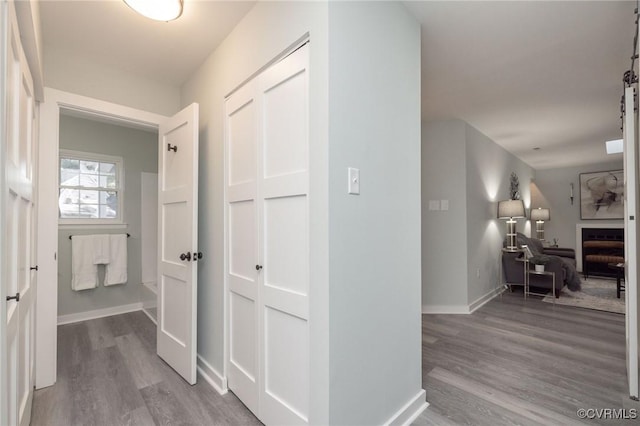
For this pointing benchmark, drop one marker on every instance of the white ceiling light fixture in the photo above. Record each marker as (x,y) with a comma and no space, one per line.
(614,146)
(158,10)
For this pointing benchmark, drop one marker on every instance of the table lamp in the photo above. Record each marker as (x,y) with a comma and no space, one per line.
(511,209)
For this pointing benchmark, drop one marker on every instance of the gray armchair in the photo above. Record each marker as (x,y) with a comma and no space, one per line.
(562,263)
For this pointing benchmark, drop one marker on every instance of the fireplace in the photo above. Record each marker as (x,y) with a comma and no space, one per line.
(613,235)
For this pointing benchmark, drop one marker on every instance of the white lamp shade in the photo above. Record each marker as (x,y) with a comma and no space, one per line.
(540,214)
(159,10)
(510,208)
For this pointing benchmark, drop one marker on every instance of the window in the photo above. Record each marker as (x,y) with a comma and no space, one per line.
(90,188)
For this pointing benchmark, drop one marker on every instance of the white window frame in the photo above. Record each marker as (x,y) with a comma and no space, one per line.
(90,156)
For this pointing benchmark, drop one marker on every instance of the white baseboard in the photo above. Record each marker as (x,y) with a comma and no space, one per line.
(98,313)
(445,309)
(462,309)
(410,411)
(481,301)
(211,376)
(146,312)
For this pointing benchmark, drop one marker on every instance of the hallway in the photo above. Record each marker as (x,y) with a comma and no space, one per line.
(109,374)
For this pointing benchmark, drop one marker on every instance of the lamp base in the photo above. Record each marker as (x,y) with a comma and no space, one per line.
(512,244)
(540,230)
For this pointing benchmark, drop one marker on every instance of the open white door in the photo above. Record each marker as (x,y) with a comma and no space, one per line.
(18,276)
(631,237)
(178,242)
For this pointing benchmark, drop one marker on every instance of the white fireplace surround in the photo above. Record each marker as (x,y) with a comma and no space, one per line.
(579,227)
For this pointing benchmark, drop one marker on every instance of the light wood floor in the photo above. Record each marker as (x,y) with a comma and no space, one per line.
(510,362)
(525,363)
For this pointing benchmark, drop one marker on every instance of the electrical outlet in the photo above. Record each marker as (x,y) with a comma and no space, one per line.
(477,272)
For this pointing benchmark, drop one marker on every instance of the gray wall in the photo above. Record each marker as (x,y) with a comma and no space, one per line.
(461,246)
(374,252)
(444,233)
(551,189)
(489,168)
(140,154)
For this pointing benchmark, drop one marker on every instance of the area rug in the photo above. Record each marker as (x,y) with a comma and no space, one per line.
(596,293)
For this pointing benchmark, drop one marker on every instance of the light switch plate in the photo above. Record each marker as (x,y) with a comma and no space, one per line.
(354,180)
(434,205)
(444,205)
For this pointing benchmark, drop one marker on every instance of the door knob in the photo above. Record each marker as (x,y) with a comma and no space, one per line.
(185,256)
(197,255)
(258,267)
(16,297)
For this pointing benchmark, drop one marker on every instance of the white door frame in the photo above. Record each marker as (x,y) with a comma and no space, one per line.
(47,291)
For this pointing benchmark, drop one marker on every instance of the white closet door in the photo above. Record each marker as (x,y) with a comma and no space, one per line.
(178,242)
(18,279)
(267,241)
(284,197)
(242,249)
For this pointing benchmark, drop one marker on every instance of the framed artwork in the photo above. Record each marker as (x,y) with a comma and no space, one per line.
(601,195)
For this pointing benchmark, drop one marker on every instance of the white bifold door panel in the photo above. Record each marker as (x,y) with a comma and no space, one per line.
(178,242)
(19,233)
(631,237)
(267,193)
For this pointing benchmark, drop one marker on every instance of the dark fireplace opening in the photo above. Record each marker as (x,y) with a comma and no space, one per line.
(612,251)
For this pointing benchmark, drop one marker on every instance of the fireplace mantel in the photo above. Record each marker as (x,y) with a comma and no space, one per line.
(580,226)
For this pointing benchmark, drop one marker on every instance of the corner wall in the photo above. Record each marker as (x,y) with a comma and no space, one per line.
(462,245)
(444,236)
(374,237)
(489,168)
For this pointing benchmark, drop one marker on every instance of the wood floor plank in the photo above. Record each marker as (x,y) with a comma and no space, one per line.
(164,406)
(144,366)
(138,417)
(100,334)
(511,362)
(109,374)
(523,362)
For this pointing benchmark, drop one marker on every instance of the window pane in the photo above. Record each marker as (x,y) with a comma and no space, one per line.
(89,181)
(107,169)
(69,163)
(68,203)
(88,211)
(107,212)
(109,204)
(89,197)
(107,181)
(69,171)
(89,167)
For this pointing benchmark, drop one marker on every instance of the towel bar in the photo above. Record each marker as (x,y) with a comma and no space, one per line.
(128,235)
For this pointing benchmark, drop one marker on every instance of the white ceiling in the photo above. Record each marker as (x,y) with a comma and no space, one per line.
(526,74)
(529,74)
(110,33)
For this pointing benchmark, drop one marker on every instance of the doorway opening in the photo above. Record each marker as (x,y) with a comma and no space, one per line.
(79,117)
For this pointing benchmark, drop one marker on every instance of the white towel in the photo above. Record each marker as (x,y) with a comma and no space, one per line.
(101,249)
(116,269)
(84,273)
